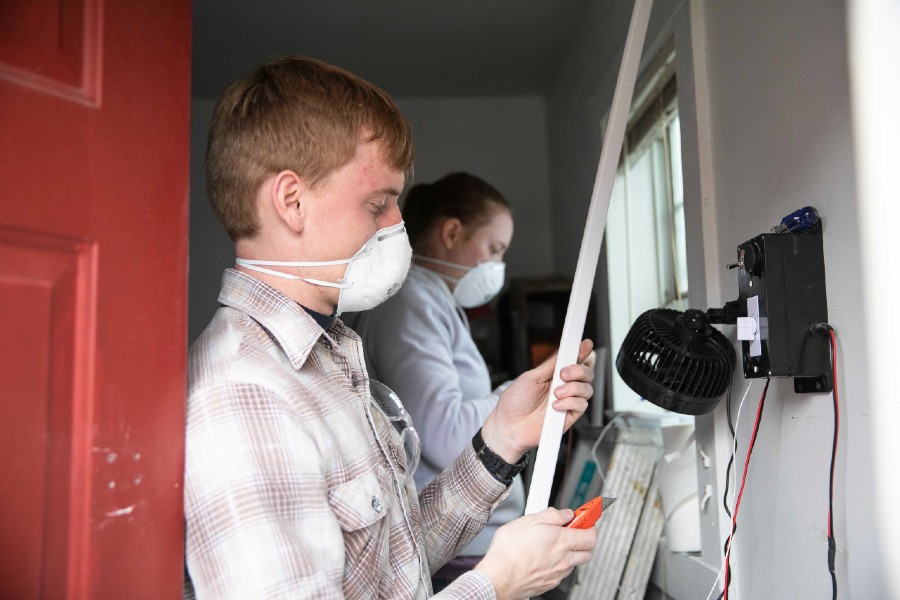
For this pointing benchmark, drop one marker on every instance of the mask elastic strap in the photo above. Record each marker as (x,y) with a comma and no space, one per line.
(246,262)
(445,263)
(447,277)
(442,262)
(252,265)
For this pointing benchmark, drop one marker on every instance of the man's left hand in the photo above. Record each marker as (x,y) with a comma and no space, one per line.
(514,426)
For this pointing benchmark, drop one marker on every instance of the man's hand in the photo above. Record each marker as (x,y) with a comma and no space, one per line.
(514,426)
(534,553)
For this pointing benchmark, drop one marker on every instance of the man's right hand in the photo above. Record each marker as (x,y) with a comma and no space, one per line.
(534,553)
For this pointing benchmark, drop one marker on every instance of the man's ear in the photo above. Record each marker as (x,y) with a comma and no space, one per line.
(287,195)
(451,232)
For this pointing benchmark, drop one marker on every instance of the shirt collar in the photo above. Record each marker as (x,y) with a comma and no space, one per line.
(433,278)
(286,321)
(324,321)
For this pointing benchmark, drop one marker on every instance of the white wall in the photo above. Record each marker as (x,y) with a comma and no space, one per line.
(502,140)
(875,87)
(780,138)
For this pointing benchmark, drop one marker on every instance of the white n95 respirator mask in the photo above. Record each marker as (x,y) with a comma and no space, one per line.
(478,286)
(373,274)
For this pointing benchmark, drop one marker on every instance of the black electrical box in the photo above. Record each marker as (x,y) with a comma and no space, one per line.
(782,289)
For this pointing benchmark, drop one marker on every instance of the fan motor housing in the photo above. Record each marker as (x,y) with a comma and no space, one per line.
(782,280)
(676,360)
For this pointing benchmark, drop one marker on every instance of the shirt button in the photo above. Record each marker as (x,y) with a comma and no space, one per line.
(376,504)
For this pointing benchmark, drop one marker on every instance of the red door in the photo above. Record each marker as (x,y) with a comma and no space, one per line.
(94,136)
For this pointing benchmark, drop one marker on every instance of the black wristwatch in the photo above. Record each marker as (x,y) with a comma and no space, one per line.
(496,466)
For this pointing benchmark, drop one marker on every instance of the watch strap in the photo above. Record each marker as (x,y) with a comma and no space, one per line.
(501,470)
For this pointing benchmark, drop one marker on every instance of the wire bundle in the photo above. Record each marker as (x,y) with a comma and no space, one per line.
(832,546)
(737,505)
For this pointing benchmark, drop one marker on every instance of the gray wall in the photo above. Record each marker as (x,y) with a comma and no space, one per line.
(211,252)
(503,140)
(780,135)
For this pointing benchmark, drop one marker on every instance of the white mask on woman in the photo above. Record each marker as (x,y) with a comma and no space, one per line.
(478,286)
(373,274)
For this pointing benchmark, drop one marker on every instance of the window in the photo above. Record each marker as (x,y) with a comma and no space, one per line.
(646,252)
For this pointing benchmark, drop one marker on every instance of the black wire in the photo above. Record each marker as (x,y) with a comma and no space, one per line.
(834,442)
(831,552)
(730,460)
(826,329)
(727,478)
(728,404)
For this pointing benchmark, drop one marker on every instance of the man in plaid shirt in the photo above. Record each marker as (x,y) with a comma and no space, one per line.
(297,471)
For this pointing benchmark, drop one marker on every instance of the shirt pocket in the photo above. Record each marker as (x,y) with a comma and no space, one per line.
(362,501)
(360,506)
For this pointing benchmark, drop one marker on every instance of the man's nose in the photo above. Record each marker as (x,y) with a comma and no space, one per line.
(390,217)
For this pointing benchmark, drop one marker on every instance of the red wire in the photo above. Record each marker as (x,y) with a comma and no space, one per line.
(737,504)
(834,361)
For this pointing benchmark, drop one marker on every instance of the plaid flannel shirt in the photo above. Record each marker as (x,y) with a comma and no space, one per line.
(293,484)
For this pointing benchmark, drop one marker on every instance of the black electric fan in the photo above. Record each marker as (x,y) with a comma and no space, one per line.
(677,360)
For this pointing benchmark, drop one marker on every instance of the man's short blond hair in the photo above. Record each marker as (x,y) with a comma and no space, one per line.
(296,114)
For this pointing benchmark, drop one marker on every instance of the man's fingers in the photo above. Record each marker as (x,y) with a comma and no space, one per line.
(591,360)
(580,557)
(581,540)
(574,389)
(575,406)
(553,516)
(577,373)
(584,350)
(544,371)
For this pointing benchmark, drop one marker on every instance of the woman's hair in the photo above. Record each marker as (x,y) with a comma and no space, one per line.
(456,196)
(300,114)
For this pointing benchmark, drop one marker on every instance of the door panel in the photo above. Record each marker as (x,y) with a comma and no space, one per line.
(52,46)
(94,108)
(46,315)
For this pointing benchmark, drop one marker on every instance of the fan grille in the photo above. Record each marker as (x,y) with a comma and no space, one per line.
(677,360)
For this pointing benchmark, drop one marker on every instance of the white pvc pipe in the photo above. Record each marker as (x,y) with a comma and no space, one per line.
(874,89)
(576,313)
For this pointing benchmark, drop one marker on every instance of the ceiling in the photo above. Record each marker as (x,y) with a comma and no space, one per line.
(407,47)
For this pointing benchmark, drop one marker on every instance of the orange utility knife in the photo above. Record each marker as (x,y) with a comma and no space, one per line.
(587,514)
